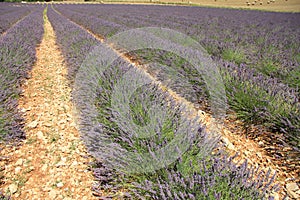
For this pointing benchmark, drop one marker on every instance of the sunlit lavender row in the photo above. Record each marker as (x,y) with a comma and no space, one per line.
(17,56)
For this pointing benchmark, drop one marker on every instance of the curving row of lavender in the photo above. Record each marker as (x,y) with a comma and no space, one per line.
(10,15)
(17,56)
(257,52)
(108,133)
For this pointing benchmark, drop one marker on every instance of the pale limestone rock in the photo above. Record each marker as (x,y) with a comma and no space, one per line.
(33,124)
(19,162)
(13,188)
(40,135)
(17,170)
(292,186)
(228,144)
(60,185)
(52,194)
(292,190)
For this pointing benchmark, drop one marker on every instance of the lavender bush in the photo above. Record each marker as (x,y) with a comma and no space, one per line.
(17,55)
(216,178)
(110,137)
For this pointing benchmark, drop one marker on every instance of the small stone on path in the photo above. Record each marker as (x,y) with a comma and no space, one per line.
(33,124)
(13,188)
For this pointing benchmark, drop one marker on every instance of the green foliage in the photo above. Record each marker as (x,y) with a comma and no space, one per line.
(254,105)
(268,68)
(292,78)
(3,131)
(236,56)
(272,68)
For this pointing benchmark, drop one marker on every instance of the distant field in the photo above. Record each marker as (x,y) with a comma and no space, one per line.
(275,5)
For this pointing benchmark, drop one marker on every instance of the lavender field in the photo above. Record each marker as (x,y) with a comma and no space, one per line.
(147,142)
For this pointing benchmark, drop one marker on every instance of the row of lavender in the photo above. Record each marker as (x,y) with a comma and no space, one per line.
(258,54)
(260,38)
(110,135)
(10,15)
(17,56)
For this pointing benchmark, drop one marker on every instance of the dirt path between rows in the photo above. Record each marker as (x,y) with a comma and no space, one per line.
(52,163)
